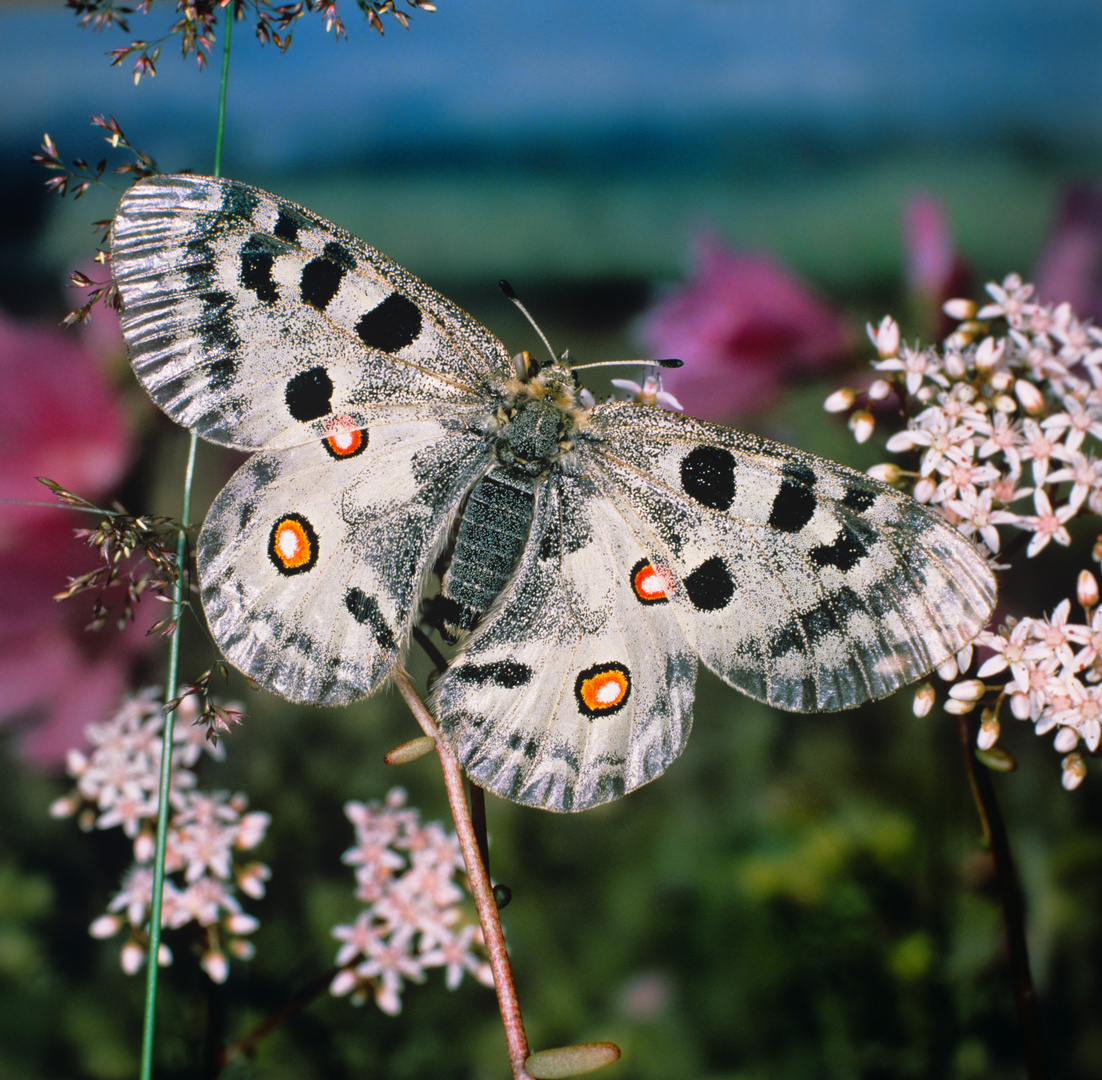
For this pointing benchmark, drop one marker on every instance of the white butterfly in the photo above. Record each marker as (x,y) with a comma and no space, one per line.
(589,553)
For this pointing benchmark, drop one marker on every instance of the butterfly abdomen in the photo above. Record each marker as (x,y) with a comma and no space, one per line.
(492,534)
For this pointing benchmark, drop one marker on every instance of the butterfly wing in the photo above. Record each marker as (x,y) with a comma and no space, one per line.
(575,689)
(312,566)
(258,324)
(798,581)
(262,326)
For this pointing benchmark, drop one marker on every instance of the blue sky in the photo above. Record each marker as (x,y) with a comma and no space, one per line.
(502,69)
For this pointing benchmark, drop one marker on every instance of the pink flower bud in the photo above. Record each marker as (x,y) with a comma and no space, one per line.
(925,695)
(840,401)
(959,309)
(879,390)
(885,337)
(968,690)
(1075,770)
(925,489)
(1033,401)
(1020,706)
(1086,589)
(948,671)
(862,424)
(988,354)
(132,957)
(215,964)
(889,472)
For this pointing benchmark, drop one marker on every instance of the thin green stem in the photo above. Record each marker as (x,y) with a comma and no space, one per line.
(172,678)
(1010,897)
(220,137)
(179,596)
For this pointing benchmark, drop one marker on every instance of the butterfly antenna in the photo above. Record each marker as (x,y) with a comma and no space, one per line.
(619,363)
(508,290)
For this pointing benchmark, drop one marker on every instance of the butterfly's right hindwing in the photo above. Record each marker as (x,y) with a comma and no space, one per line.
(258,324)
(311,564)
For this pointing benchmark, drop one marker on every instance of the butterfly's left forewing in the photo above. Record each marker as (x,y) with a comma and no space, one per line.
(799,581)
(312,566)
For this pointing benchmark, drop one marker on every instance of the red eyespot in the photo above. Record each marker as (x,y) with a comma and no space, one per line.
(293,545)
(651,585)
(602,689)
(345,440)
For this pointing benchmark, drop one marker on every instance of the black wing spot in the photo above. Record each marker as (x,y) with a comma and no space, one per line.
(337,253)
(286,226)
(708,475)
(786,640)
(820,621)
(365,610)
(508,674)
(256,271)
(239,201)
(844,552)
(794,505)
(308,394)
(216,326)
(390,325)
(710,586)
(858,498)
(321,278)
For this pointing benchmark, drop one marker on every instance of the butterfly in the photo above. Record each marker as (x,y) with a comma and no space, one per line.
(583,556)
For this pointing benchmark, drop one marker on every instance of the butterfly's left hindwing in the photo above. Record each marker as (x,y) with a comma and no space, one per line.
(579,686)
(588,554)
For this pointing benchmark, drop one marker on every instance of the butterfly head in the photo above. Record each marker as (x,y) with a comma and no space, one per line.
(539,415)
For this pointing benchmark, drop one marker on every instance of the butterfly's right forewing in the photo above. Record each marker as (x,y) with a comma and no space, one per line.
(257,324)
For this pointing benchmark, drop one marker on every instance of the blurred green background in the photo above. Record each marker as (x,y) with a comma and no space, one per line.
(797,896)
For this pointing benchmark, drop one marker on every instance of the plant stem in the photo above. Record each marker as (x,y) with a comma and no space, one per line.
(1010,897)
(244,1046)
(481,890)
(172,676)
(179,595)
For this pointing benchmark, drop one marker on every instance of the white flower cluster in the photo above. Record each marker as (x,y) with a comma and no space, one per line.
(406,875)
(116,786)
(1009,408)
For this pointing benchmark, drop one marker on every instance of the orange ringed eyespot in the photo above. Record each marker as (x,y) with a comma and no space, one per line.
(651,585)
(345,440)
(602,689)
(293,545)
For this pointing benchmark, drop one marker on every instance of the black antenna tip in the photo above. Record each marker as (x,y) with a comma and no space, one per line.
(506,288)
(669,363)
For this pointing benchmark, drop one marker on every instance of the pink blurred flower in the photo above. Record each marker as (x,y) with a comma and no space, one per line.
(935,271)
(1069,269)
(58,418)
(744,326)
